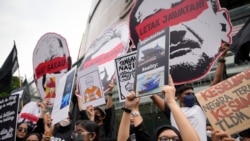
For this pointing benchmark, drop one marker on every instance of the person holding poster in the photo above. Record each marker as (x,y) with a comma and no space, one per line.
(196,30)
(187,100)
(104,118)
(165,132)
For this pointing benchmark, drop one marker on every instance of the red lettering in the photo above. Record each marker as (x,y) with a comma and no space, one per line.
(234,106)
(217,113)
(210,93)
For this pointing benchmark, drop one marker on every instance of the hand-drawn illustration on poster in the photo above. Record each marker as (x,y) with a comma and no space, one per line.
(111,44)
(51,60)
(63,96)
(8,117)
(91,87)
(125,74)
(196,30)
(226,104)
(152,64)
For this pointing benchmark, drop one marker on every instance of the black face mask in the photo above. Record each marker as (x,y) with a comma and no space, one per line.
(97,119)
(77,137)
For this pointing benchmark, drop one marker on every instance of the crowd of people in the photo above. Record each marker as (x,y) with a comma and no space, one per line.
(188,121)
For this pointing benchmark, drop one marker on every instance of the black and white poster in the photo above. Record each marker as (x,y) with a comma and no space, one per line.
(152,64)
(197,28)
(8,117)
(125,74)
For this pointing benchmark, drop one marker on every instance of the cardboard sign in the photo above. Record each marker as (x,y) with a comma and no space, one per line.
(90,86)
(51,60)
(63,97)
(111,44)
(8,117)
(195,31)
(125,74)
(227,104)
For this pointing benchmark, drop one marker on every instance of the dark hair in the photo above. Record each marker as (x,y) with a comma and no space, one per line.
(28,125)
(162,128)
(100,110)
(36,134)
(90,126)
(183,88)
(245,133)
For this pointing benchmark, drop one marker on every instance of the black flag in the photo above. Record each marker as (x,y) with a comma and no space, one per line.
(241,42)
(9,66)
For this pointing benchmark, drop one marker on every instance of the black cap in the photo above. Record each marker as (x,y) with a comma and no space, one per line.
(166,127)
(183,88)
(245,133)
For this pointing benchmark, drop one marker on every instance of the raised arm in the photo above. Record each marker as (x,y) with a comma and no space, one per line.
(218,76)
(187,131)
(109,103)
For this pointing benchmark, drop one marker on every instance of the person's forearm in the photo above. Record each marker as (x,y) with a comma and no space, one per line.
(218,73)
(123,133)
(109,102)
(187,131)
(158,101)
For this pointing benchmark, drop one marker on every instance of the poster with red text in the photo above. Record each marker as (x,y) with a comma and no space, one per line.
(227,104)
(111,44)
(51,60)
(196,30)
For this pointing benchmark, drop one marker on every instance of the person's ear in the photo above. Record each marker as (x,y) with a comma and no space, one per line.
(92,136)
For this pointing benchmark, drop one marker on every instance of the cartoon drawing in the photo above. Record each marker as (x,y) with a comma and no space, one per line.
(194,36)
(92,92)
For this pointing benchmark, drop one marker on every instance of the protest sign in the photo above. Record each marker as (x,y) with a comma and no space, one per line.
(125,74)
(30,113)
(90,86)
(51,60)
(8,117)
(63,97)
(227,104)
(152,64)
(112,43)
(196,29)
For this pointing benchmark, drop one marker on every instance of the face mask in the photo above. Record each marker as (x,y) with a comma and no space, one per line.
(64,123)
(209,133)
(189,100)
(97,119)
(77,137)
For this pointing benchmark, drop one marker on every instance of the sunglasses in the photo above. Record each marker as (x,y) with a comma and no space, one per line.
(20,129)
(164,138)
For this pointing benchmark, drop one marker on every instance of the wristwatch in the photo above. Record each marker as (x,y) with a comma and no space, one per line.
(135,113)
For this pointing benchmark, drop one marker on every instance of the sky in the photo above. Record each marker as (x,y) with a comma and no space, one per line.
(26,21)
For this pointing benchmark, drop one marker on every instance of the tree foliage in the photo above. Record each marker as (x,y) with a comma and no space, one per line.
(14,85)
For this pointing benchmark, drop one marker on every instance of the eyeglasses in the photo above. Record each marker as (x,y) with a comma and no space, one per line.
(78,135)
(20,129)
(164,138)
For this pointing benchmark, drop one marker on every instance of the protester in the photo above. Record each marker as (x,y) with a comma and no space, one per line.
(22,130)
(186,131)
(33,137)
(185,96)
(104,118)
(86,130)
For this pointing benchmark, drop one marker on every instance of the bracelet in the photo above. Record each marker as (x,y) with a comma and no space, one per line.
(222,60)
(110,94)
(126,110)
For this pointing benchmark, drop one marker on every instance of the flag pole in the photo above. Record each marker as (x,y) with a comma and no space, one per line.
(19,76)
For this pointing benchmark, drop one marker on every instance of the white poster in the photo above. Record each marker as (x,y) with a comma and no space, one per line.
(63,97)
(125,72)
(91,87)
